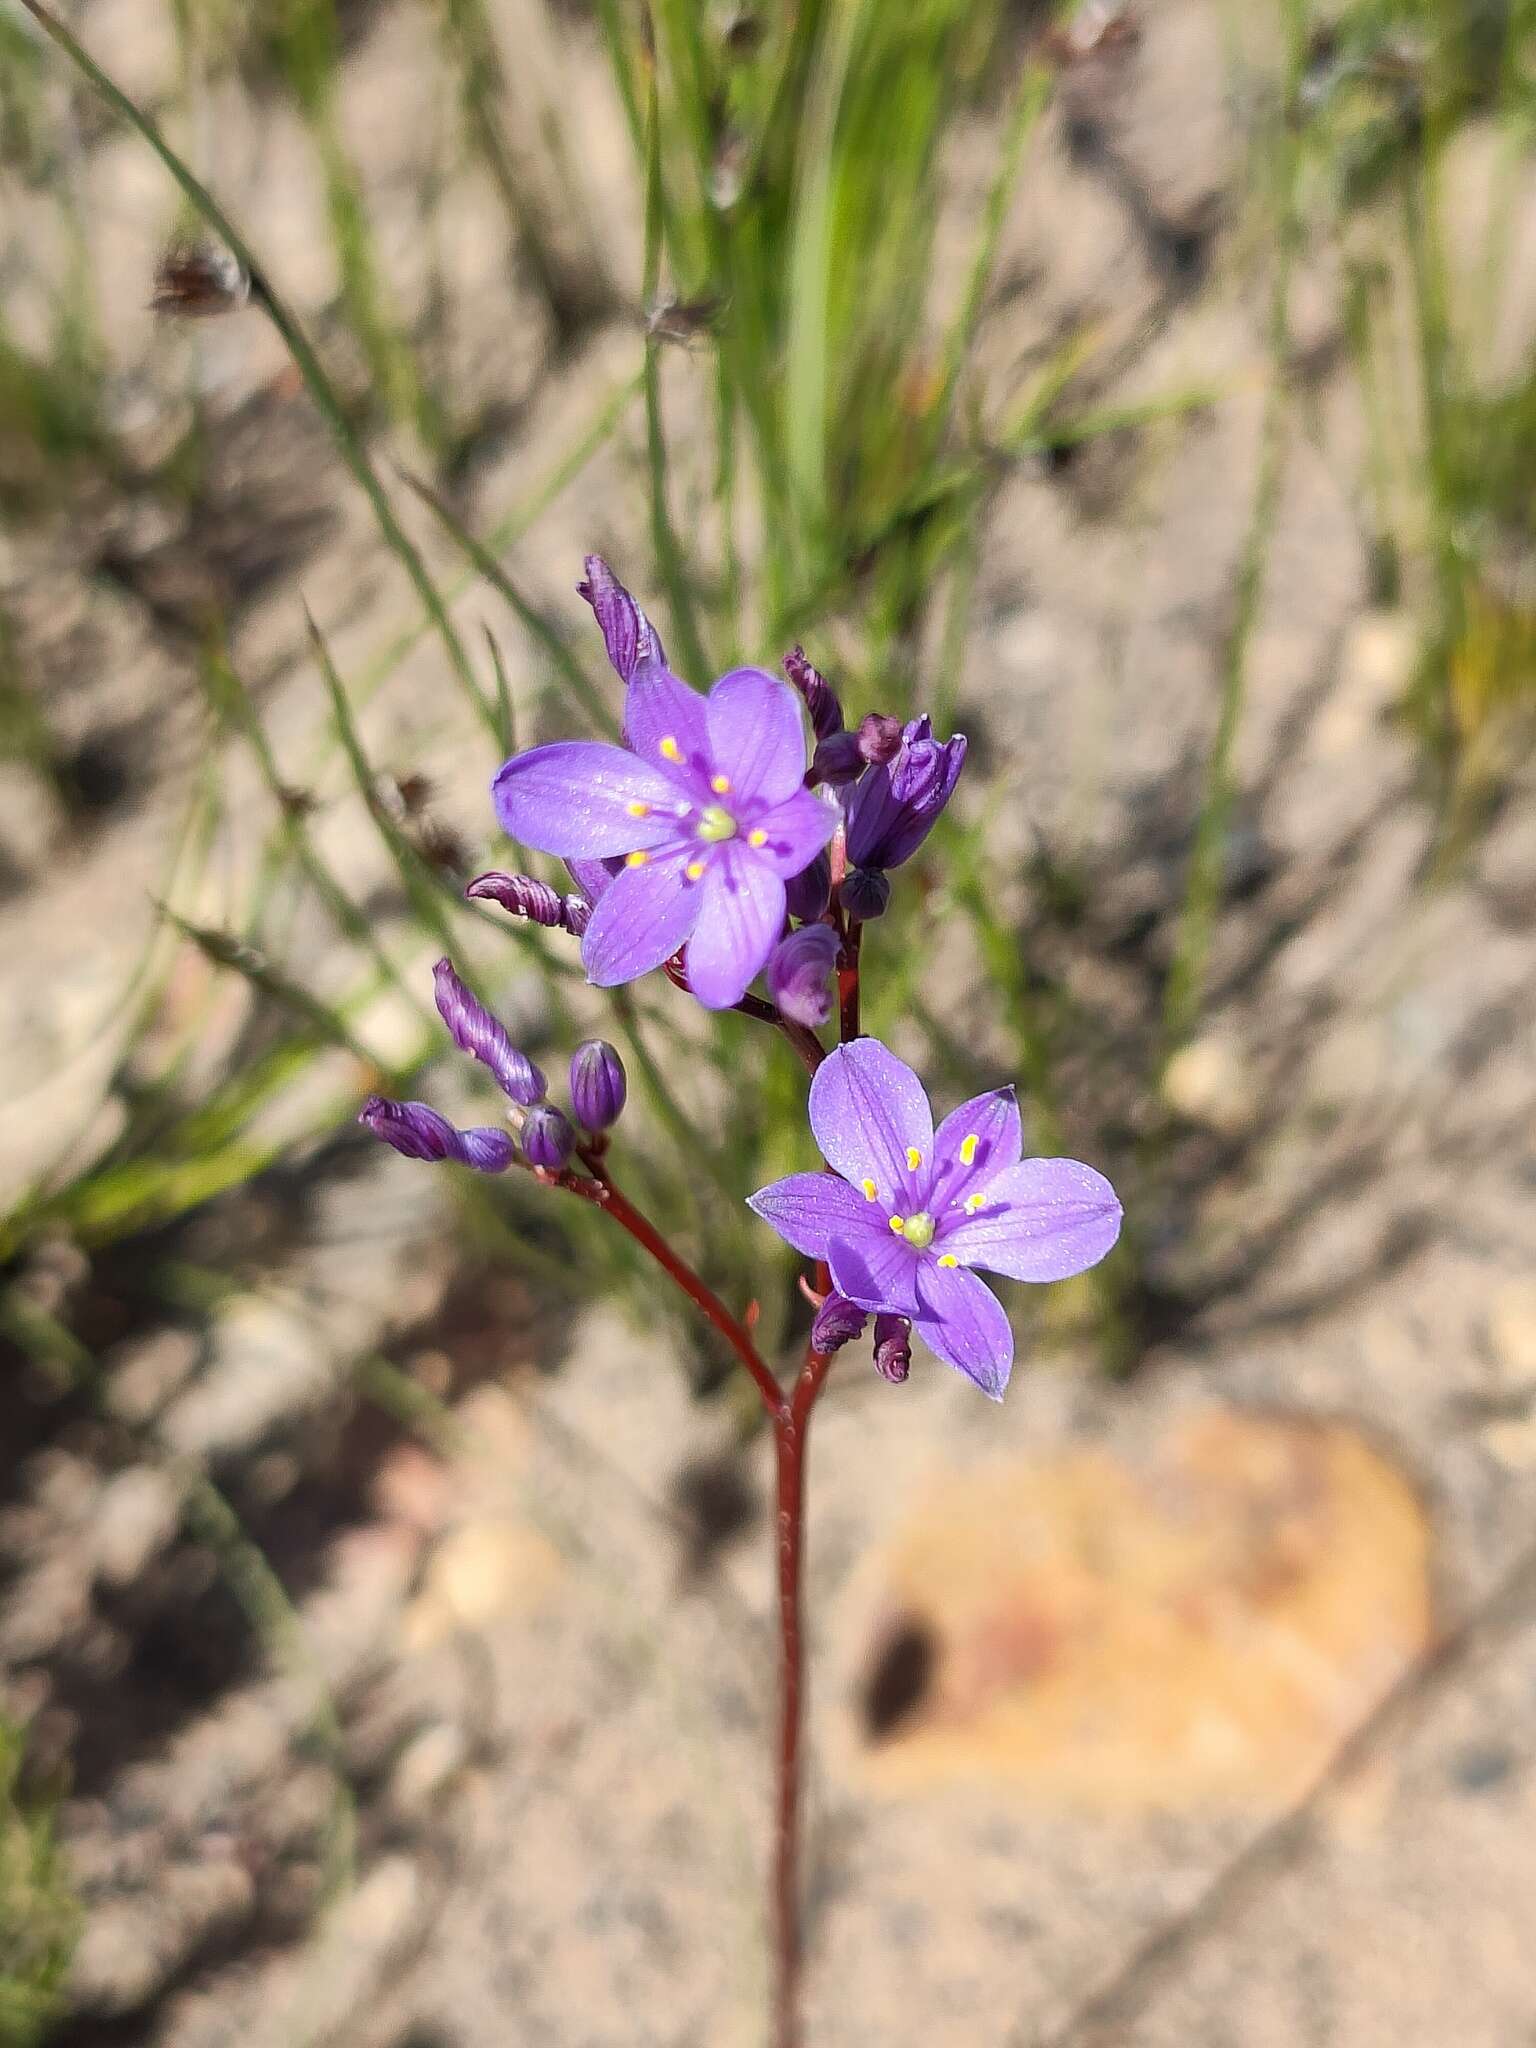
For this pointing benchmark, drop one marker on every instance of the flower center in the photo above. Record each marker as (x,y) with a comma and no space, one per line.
(716,824)
(918,1230)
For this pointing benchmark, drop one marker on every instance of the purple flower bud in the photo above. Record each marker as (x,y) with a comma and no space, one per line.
(820,697)
(522,896)
(420,1133)
(627,633)
(893,1348)
(800,970)
(837,759)
(879,738)
(895,807)
(838,1322)
(865,894)
(598,1086)
(548,1140)
(809,893)
(474,1030)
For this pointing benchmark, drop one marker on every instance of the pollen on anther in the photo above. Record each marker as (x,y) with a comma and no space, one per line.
(669,750)
(720,784)
(757,836)
(948,1259)
(968,1149)
(914,1158)
(694,870)
(638,809)
(973,1203)
(869,1189)
(898,1224)
(636,860)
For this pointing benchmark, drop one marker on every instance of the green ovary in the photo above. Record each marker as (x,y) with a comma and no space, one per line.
(716,824)
(918,1230)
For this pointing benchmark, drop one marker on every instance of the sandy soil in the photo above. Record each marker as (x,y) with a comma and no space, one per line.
(1195,1710)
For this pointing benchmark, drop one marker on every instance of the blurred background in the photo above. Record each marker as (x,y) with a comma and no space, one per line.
(1146,390)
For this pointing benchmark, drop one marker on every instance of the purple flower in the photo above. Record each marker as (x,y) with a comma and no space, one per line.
(894,808)
(706,806)
(838,1322)
(800,971)
(893,1348)
(598,1084)
(916,1211)
(420,1133)
(548,1139)
(475,1031)
(627,633)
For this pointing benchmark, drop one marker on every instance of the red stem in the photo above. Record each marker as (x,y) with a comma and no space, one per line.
(605,1196)
(790,1427)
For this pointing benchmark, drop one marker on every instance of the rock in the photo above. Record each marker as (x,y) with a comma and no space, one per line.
(137,1516)
(1208,1082)
(1511,1332)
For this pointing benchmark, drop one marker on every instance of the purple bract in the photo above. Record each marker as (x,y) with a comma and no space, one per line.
(706,807)
(908,1212)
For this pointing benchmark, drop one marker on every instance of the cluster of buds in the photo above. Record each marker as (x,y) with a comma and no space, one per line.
(894,781)
(840,1321)
(547,1136)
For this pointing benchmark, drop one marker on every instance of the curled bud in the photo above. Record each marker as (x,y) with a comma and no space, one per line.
(820,697)
(548,1140)
(800,972)
(807,895)
(522,896)
(893,1348)
(420,1133)
(627,633)
(895,807)
(474,1030)
(837,760)
(865,894)
(598,1085)
(838,1322)
(879,738)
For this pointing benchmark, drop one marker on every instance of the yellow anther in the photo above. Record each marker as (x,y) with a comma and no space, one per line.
(638,809)
(898,1224)
(968,1149)
(948,1259)
(694,870)
(636,860)
(973,1203)
(669,750)
(757,836)
(869,1189)
(720,784)
(914,1158)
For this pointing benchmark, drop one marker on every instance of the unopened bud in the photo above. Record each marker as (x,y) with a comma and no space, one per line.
(598,1085)
(879,738)
(548,1139)
(865,894)
(893,1348)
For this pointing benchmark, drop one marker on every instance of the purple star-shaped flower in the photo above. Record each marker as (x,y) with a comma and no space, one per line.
(908,1212)
(707,807)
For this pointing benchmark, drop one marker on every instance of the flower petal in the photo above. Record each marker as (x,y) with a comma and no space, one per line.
(660,711)
(808,1209)
(796,830)
(741,913)
(867,1110)
(1044,1219)
(645,914)
(874,1267)
(980,1139)
(962,1321)
(578,797)
(756,736)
